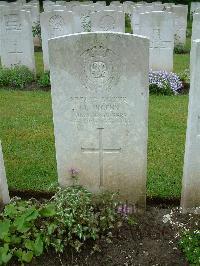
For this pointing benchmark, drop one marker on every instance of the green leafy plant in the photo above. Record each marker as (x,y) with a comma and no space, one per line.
(36,29)
(44,80)
(20,230)
(17,76)
(181,49)
(185,76)
(70,218)
(190,244)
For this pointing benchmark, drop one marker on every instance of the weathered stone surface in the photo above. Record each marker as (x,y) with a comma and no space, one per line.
(158,26)
(50,8)
(35,18)
(196,27)
(82,20)
(4,193)
(191,171)
(108,21)
(135,18)
(17,38)
(54,24)
(100,111)
(181,12)
(194,7)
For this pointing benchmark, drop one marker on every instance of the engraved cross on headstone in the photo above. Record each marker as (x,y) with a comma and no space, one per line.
(100,150)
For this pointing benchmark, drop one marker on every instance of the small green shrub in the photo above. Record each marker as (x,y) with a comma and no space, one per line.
(4,76)
(36,29)
(166,90)
(70,218)
(185,76)
(44,80)
(17,76)
(181,49)
(190,244)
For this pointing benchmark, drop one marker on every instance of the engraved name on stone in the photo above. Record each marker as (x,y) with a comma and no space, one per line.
(12,22)
(93,110)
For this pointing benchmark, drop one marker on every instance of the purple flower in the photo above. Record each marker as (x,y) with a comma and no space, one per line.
(164,78)
(74,172)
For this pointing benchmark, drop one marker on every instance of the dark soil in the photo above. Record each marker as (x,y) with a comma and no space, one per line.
(149,242)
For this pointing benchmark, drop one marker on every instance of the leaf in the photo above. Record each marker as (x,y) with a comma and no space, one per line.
(31,214)
(4,228)
(10,210)
(29,244)
(27,256)
(5,255)
(15,239)
(48,211)
(21,225)
(51,228)
(38,246)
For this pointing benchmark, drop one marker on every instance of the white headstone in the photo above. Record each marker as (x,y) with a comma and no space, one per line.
(82,20)
(61,2)
(194,7)
(158,26)
(108,21)
(191,171)
(100,111)
(50,8)
(35,16)
(135,18)
(158,7)
(35,13)
(180,12)
(128,7)
(17,39)
(98,6)
(116,6)
(196,27)
(46,5)
(4,193)
(54,24)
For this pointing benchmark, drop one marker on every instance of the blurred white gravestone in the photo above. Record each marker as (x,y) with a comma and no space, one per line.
(35,17)
(181,12)
(194,7)
(135,18)
(158,26)
(82,19)
(196,27)
(4,193)
(50,8)
(108,21)
(54,24)
(100,111)
(17,39)
(191,172)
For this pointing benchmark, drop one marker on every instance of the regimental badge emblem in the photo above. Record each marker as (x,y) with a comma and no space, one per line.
(100,68)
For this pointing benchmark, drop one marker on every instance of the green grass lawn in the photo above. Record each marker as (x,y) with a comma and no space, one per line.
(26,131)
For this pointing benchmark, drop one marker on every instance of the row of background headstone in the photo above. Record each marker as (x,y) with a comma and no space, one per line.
(62,19)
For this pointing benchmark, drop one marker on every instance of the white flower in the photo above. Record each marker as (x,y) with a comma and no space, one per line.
(166,218)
